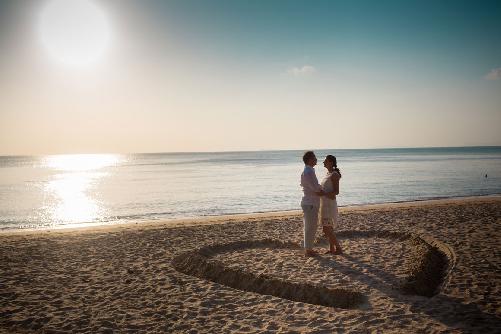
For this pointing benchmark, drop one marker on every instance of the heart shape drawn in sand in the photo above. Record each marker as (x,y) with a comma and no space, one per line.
(428,271)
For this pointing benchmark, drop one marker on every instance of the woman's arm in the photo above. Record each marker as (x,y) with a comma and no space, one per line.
(335,182)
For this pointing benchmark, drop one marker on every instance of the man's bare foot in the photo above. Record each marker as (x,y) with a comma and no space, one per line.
(310,253)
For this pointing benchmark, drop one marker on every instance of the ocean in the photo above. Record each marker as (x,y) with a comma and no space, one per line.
(58,191)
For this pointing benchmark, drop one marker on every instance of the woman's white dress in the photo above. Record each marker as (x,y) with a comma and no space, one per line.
(328,207)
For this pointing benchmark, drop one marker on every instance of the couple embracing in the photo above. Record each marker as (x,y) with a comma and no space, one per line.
(319,202)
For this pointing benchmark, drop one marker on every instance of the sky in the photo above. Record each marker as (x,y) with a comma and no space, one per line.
(197,76)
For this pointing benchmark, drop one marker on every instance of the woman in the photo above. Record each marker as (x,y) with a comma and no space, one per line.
(328,204)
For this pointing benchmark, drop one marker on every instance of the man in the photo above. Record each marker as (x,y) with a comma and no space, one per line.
(310,203)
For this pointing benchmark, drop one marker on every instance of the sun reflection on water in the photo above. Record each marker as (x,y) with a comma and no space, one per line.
(73,187)
(81,162)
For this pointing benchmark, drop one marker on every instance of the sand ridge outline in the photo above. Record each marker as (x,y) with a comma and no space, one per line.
(431,267)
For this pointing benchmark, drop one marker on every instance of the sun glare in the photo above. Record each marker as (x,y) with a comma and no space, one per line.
(80,162)
(73,186)
(75,32)
(73,202)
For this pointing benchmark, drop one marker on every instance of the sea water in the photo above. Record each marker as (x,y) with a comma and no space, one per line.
(75,190)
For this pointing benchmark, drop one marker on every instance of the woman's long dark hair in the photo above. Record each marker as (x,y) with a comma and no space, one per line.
(332,159)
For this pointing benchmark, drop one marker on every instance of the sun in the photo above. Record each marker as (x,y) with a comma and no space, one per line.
(75,32)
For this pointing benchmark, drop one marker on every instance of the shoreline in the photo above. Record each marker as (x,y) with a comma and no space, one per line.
(239,217)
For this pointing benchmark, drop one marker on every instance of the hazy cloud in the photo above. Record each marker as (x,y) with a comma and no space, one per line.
(494,74)
(302,71)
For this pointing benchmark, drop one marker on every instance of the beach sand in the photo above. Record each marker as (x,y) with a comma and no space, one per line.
(418,267)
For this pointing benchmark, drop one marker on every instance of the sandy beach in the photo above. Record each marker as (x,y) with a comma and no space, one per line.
(417,267)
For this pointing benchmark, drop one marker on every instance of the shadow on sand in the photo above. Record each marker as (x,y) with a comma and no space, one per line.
(451,311)
(421,289)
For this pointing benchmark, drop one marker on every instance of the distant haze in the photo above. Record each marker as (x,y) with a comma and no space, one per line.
(250,75)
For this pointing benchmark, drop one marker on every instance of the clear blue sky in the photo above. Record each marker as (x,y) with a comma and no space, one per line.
(243,75)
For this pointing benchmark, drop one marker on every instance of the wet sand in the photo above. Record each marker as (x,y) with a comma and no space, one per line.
(431,266)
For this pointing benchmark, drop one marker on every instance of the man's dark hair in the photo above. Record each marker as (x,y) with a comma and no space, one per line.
(307,156)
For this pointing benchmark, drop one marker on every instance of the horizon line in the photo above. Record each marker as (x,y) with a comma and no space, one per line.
(250,151)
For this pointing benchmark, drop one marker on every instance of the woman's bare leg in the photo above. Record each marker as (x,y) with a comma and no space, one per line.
(339,251)
(334,246)
(329,235)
